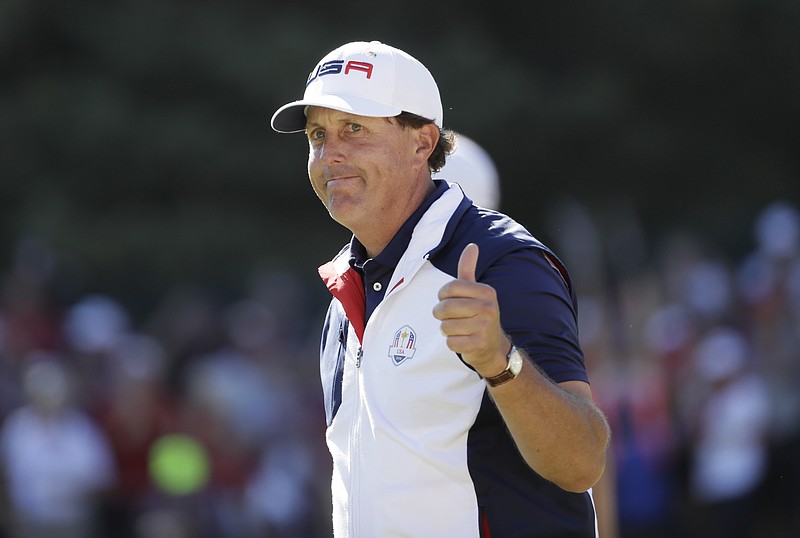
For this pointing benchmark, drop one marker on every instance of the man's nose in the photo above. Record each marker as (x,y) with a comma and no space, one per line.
(332,151)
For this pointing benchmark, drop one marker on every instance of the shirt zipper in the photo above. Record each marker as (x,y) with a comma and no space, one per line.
(354,522)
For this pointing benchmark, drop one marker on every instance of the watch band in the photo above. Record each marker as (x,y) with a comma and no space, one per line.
(503,377)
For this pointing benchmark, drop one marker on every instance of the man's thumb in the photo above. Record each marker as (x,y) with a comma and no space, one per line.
(467,263)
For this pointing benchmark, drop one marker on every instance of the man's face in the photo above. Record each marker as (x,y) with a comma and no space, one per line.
(365,170)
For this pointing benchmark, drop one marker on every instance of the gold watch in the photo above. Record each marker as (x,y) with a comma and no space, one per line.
(512,370)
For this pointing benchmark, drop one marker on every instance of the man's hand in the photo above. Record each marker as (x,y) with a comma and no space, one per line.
(470,318)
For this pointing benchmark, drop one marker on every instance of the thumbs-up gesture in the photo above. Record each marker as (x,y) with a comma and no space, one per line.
(470,318)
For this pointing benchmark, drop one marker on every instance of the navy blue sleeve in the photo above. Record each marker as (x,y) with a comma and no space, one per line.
(538,312)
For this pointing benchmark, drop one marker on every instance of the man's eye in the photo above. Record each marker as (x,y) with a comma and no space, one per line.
(355,127)
(316,134)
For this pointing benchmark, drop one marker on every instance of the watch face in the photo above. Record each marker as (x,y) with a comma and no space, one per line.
(514,361)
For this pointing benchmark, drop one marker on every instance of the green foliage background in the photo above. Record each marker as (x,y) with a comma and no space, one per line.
(134,137)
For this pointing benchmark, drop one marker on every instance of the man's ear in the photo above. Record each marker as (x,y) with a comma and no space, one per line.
(427,138)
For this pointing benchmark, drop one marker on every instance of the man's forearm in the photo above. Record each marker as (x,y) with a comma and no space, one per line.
(558,429)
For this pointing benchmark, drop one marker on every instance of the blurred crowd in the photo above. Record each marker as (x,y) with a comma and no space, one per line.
(205,419)
(202,420)
(695,358)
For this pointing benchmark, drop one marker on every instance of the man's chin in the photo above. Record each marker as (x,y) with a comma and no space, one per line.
(342,215)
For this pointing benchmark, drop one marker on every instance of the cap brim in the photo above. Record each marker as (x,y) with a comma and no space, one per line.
(291,117)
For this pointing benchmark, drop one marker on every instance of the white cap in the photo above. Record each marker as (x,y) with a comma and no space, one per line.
(368,79)
(472,167)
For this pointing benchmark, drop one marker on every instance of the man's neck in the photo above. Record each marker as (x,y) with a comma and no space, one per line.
(379,234)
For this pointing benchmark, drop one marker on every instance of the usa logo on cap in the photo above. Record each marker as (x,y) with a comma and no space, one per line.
(403,345)
(336,67)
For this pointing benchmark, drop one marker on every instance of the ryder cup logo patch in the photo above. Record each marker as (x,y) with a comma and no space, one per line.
(402,347)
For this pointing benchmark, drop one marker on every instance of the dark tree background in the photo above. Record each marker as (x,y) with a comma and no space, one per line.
(134,136)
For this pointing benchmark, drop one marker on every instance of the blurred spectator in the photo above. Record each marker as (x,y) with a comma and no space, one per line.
(92,328)
(777,230)
(186,323)
(29,320)
(729,420)
(95,324)
(134,409)
(56,461)
(229,406)
(474,170)
(635,395)
(281,498)
(768,282)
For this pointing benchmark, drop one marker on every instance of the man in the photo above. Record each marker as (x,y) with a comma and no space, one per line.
(456,396)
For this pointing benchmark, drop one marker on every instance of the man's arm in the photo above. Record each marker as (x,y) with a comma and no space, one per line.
(558,429)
